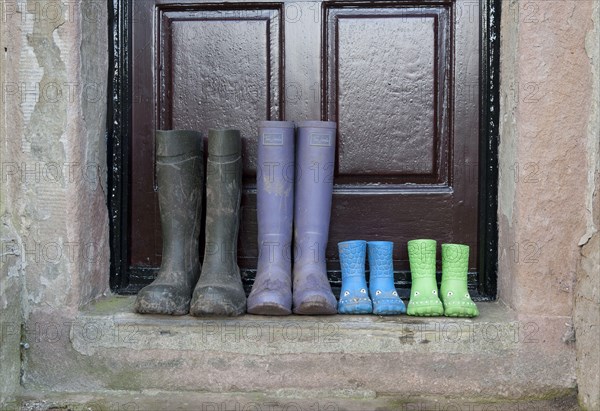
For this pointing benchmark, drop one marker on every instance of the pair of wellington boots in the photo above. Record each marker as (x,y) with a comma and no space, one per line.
(294,192)
(454,299)
(380,296)
(182,285)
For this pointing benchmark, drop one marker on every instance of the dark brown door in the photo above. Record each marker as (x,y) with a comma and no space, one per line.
(400,78)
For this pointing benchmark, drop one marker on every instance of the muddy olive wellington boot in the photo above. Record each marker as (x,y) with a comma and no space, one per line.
(219,290)
(180,175)
(272,290)
(315,155)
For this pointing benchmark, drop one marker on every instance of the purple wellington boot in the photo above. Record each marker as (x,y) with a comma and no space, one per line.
(272,290)
(314,185)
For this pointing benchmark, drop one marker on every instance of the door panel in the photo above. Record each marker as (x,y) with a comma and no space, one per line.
(400,78)
(382,88)
(231,80)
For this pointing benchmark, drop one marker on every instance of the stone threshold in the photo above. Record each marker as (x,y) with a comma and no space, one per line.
(111,323)
(281,400)
(498,356)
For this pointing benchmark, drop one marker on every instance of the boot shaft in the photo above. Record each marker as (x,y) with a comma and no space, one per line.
(455,261)
(352,258)
(421,254)
(315,159)
(380,259)
(223,196)
(275,191)
(180,175)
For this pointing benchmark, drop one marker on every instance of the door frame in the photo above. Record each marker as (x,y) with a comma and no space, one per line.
(128,280)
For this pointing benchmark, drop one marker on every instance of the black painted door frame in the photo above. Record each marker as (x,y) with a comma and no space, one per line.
(128,280)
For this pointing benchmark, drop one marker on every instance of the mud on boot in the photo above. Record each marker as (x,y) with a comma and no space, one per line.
(180,175)
(315,157)
(219,290)
(272,289)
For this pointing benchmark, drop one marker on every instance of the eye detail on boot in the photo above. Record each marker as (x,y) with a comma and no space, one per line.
(450,293)
(417,293)
(434,292)
(394,293)
(362,290)
(346,293)
(467,295)
(378,292)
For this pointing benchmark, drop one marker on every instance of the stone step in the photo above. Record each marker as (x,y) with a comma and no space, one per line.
(283,400)
(496,356)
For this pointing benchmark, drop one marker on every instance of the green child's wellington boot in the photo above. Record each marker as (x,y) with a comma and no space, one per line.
(219,290)
(424,300)
(453,290)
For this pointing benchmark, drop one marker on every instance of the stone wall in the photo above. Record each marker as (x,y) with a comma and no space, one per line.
(54,216)
(545,109)
(587,289)
(10,263)
(548,166)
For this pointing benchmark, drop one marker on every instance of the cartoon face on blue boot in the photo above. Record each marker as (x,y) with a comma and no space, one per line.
(354,298)
(383,293)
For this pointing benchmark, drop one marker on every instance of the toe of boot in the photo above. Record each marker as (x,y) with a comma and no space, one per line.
(162,299)
(218,301)
(269,302)
(315,303)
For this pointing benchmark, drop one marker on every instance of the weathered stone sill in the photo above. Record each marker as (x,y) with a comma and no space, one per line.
(111,324)
(499,355)
(282,400)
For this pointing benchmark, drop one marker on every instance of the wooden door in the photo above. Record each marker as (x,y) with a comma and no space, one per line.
(401,78)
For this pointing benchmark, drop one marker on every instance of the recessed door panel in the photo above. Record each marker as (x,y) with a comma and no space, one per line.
(220,68)
(395,83)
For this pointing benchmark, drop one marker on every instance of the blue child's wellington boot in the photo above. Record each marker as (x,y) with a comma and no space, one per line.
(272,290)
(219,290)
(354,298)
(179,172)
(315,156)
(381,279)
